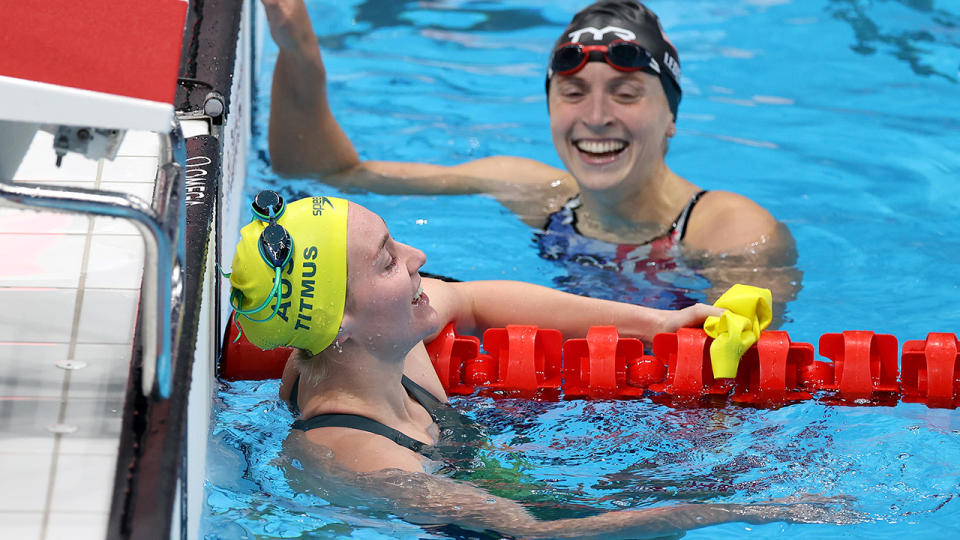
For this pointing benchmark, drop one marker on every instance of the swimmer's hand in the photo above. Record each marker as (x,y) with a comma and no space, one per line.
(290,25)
(803,508)
(688,317)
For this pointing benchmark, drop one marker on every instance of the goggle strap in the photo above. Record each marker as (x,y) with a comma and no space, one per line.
(271,217)
(275,292)
(222,273)
(239,328)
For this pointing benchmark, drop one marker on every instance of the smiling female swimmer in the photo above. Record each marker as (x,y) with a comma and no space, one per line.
(618,216)
(324,276)
(613,91)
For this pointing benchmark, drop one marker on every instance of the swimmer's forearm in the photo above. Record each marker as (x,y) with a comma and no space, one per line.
(653,522)
(495,304)
(305,138)
(417,495)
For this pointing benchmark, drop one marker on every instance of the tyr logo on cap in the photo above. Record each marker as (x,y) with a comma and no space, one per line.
(597,35)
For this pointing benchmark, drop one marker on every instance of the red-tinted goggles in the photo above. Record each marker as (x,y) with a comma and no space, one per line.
(620,55)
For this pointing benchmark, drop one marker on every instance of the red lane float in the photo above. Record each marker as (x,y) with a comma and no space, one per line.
(242,360)
(864,366)
(605,365)
(773,371)
(450,353)
(524,360)
(527,361)
(931,371)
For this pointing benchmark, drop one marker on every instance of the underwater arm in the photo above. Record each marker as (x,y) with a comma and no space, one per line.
(770,262)
(420,497)
(477,305)
(731,239)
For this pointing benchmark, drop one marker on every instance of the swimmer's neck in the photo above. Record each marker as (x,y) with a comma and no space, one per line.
(654,201)
(359,382)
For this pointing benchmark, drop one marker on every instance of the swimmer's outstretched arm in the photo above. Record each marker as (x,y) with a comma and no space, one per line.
(306,140)
(418,495)
(405,490)
(477,305)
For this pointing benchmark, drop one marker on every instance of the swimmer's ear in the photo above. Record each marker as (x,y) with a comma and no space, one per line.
(672,129)
(346,328)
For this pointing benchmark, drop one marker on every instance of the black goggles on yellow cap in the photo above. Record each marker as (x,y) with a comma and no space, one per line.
(276,249)
(276,245)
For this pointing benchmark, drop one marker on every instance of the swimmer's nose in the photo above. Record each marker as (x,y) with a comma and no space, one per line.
(597,114)
(415,260)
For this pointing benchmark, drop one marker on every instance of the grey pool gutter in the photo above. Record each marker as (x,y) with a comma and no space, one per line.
(149,498)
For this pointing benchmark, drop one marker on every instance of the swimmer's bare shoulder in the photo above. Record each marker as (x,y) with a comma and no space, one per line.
(726,222)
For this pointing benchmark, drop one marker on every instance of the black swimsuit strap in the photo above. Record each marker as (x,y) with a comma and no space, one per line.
(680,224)
(421,394)
(355,421)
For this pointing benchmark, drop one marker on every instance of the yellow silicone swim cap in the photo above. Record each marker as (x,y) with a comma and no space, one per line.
(312,286)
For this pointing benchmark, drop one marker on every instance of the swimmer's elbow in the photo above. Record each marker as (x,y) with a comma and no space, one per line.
(287,166)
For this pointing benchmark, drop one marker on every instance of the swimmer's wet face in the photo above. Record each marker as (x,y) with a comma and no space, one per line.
(609,126)
(613,92)
(627,36)
(386,308)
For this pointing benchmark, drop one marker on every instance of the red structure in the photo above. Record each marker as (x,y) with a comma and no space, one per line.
(930,371)
(864,367)
(532,362)
(527,359)
(597,366)
(449,352)
(771,372)
(242,360)
(689,373)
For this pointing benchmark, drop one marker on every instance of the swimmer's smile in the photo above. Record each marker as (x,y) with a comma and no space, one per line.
(600,151)
(420,298)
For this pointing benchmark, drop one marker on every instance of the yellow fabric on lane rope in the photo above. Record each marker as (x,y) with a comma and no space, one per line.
(748,310)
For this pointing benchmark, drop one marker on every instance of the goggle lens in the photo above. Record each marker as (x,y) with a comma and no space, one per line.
(275,244)
(627,55)
(267,204)
(568,58)
(276,249)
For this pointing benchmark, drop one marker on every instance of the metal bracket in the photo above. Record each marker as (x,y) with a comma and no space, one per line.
(162,225)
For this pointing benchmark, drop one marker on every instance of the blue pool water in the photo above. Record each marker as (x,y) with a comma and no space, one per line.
(840,117)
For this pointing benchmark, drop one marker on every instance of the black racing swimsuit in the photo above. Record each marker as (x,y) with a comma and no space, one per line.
(459,436)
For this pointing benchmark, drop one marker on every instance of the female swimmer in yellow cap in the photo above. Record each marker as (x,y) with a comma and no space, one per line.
(325,276)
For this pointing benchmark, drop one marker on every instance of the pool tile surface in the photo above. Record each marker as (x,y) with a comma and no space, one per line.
(70,296)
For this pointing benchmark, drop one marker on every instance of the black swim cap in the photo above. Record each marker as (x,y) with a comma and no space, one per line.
(608,20)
